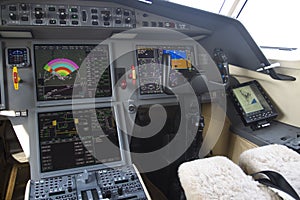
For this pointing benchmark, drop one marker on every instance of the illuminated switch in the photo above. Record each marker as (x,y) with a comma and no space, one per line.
(153,24)
(145,23)
(74,10)
(169,25)
(133,72)
(51,9)
(24,18)
(52,21)
(118,21)
(18,113)
(24,113)
(12,8)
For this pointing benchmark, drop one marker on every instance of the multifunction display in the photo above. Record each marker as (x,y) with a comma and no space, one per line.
(253,103)
(70,139)
(72,71)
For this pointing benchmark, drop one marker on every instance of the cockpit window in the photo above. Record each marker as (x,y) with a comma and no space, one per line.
(216,6)
(272,24)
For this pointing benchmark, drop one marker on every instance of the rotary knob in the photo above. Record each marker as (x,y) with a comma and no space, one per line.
(39,14)
(118,11)
(127,20)
(62,15)
(131,108)
(23,6)
(106,17)
(12,16)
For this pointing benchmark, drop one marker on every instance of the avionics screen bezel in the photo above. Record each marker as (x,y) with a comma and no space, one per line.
(2,93)
(2,88)
(262,109)
(36,169)
(71,100)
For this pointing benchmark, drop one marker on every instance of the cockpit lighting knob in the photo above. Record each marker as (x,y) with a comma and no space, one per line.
(118,11)
(12,16)
(62,15)
(131,108)
(106,17)
(39,14)
(23,6)
(127,20)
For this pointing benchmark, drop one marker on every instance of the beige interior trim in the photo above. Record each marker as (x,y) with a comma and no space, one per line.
(221,147)
(237,146)
(11,183)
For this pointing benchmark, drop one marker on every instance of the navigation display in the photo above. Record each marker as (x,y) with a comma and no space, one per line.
(248,100)
(253,103)
(57,68)
(70,139)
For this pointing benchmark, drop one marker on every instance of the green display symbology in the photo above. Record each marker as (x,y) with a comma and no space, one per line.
(247,99)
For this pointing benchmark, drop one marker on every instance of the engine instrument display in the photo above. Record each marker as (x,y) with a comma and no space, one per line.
(58,66)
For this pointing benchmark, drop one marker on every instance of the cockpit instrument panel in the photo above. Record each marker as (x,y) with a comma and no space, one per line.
(72,71)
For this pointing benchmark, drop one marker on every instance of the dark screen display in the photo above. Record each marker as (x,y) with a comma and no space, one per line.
(58,66)
(70,139)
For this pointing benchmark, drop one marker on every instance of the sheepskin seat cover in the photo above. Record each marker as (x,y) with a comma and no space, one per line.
(219,178)
(275,157)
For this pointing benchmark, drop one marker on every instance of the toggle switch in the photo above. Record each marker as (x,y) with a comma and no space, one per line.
(16,78)
(133,75)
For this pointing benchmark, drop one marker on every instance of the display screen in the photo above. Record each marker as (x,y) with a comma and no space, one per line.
(58,66)
(146,53)
(179,59)
(252,103)
(248,99)
(18,56)
(70,139)
(149,60)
